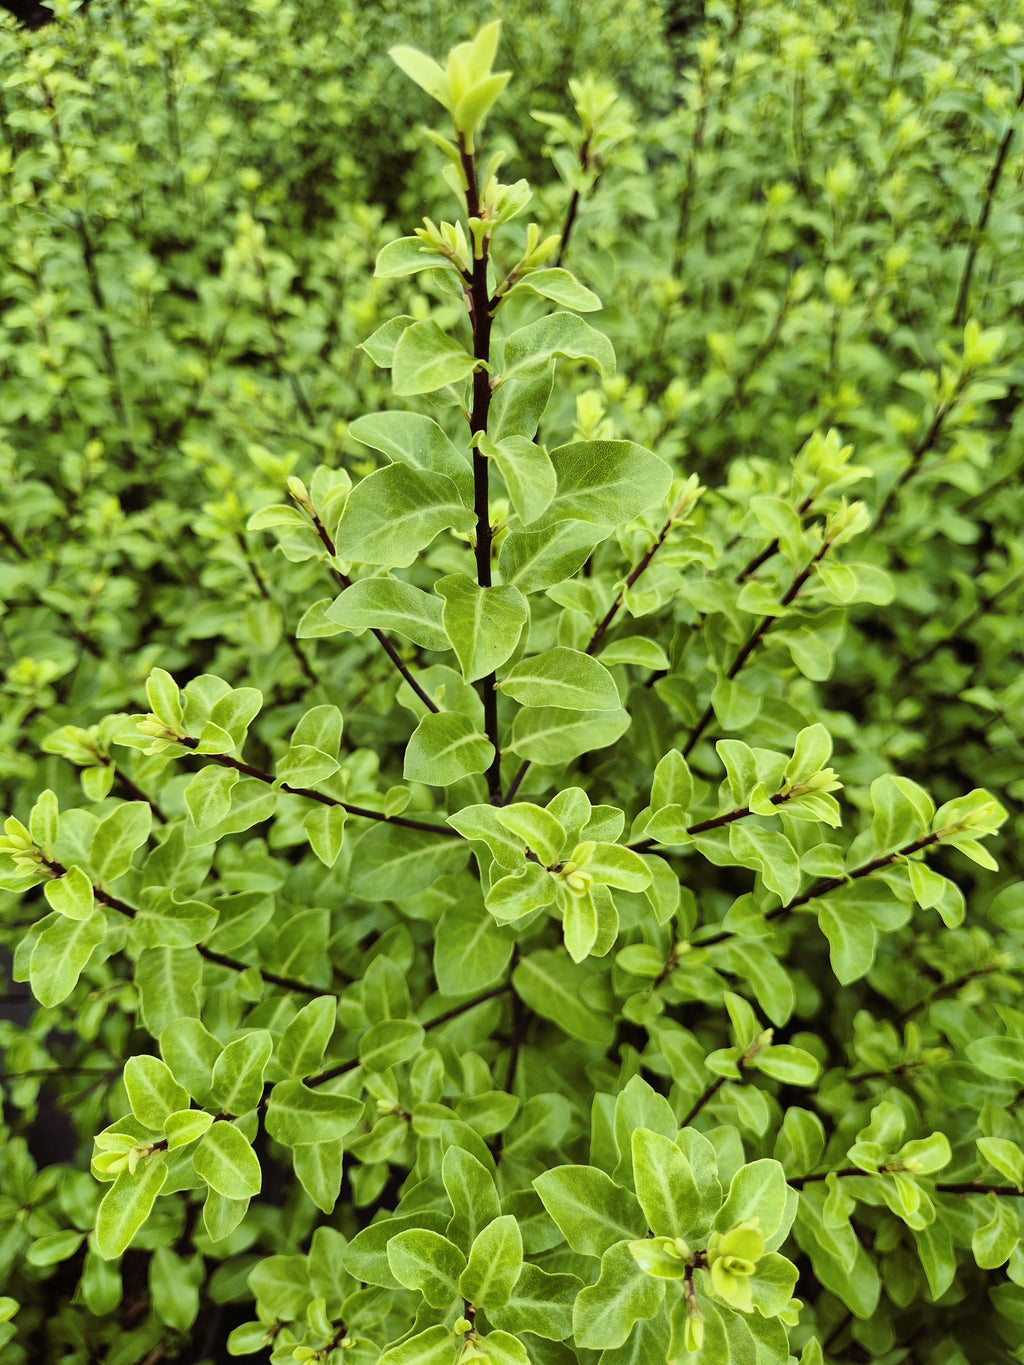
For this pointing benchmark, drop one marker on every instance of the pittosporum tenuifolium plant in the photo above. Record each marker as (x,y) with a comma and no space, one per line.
(486,900)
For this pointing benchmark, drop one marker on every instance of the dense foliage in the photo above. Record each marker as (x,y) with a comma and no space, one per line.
(515,859)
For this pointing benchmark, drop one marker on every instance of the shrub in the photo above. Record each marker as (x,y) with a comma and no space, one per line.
(505,935)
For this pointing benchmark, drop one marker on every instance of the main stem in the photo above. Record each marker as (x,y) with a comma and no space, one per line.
(479,308)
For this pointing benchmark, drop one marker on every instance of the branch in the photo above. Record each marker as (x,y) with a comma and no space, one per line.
(208,954)
(480,313)
(574,204)
(226,761)
(754,639)
(603,625)
(343,1068)
(378,635)
(960,307)
(824,885)
(305,668)
(716,822)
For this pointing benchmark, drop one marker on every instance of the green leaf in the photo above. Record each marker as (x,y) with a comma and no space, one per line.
(604,1313)
(811,752)
(470,1186)
(227,1162)
(191,1052)
(759,1191)
(238,1075)
(559,334)
(851,940)
(380,347)
(903,812)
(408,256)
(325,830)
(391,605)
(592,1212)
(606,483)
(235,711)
(165,699)
(127,1204)
(117,837)
(429,76)
(300,1049)
(318,1167)
(71,895)
(1005,1156)
(533,560)
(298,1116)
(208,795)
(548,734)
(566,679)
(389,863)
(185,1126)
(395,512)
(304,766)
(483,624)
(411,439)
(665,1184)
(222,1215)
(548,982)
(561,287)
(528,473)
(994,1241)
(424,1260)
(771,853)
(999,1057)
(427,358)
(540,1303)
(495,1260)
(444,748)
(435,1346)
(60,954)
(389,1043)
(471,952)
(153,1093)
(535,828)
(790,1065)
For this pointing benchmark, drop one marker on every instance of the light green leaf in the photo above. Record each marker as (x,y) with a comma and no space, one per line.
(389,863)
(60,953)
(227,1162)
(561,287)
(300,1049)
(391,605)
(534,828)
(435,1346)
(127,1204)
(117,837)
(408,256)
(318,1167)
(547,734)
(208,795)
(424,1260)
(511,898)
(788,1064)
(238,1075)
(444,748)
(153,1093)
(483,624)
(592,1212)
(297,1115)
(495,1260)
(995,1240)
(185,1126)
(665,1184)
(548,982)
(71,895)
(771,853)
(606,483)
(471,952)
(427,358)
(604,1313)
(541,1303)
(533,560)
(565,679)
(395,512)
(412,439)
(528,473)
(325,829)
